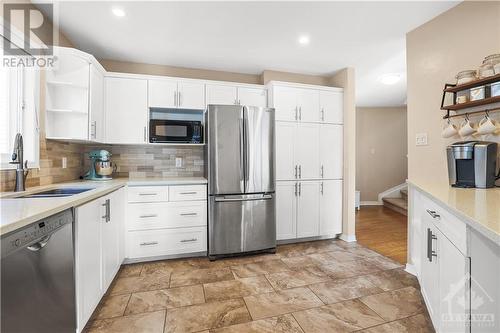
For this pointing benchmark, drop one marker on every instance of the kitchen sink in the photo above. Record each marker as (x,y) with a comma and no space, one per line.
(58,192)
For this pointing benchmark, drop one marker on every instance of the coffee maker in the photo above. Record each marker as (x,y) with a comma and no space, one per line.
(101,166)
(472,164)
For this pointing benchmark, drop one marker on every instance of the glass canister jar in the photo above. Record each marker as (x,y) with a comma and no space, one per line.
(466,76)
(486,70)
(494,60)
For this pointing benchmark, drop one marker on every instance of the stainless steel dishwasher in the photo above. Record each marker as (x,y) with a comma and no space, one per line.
(37,277)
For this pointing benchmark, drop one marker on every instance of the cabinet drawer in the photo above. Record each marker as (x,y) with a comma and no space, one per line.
(166,242)
(157,215)
(147,193)
(188,192)
(451,227)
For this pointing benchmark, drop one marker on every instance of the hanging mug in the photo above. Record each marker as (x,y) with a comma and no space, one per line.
(487,125)
(449,130)
(466,127)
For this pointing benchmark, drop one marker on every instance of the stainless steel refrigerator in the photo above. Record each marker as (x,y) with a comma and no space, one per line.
(240,170)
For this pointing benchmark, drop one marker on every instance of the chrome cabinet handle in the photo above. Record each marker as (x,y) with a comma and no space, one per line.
(175,98)
(322,171)
(93,129)
(300,171)
(180,98)
(107,211)
(143,194)
(194,192)
(148,243)
(322,114)
(189,214)
(40,244)
(321,189)
(300,189)
(430,252)
(189,240)
(300,112)
(296,112)
(148,216)
(433,214)
(295,187)
(296,173)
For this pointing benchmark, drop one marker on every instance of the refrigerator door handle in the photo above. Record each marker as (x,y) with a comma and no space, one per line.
(244,198)
(242,153)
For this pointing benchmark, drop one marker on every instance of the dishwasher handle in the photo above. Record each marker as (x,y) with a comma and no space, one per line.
(40,244)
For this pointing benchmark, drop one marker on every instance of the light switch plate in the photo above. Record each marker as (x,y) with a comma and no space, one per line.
(421,139)
(178,162)
(64,162)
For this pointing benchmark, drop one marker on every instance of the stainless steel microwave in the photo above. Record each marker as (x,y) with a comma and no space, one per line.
(175,131)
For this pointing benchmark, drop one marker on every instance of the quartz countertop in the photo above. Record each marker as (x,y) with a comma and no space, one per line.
(479,208)
(16,213)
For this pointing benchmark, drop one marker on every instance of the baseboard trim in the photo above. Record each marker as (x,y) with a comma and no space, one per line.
(165,257)
(348,238)
(411,269)
(371,203)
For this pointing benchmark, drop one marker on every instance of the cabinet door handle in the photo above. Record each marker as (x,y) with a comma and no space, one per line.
(433,214)
(322,171)
(189,240)
(175,98)
(180,98)
(300,112)
(296,168)
(430,252)
(145,134)
(300,171)
(189,214)
(322,114)
(296,112)
(295,187)
(109,209)
(148,243)
(321,188)
(143,194)
(93,129)
(300,189)
(148,216)
(193,192)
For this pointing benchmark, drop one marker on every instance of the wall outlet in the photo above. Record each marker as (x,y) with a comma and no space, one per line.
(64,162)
(421,139)
(178,162)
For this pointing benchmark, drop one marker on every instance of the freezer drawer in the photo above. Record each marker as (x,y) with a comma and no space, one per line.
(241,223)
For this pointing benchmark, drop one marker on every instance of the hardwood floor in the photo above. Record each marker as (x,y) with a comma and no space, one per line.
(383,231)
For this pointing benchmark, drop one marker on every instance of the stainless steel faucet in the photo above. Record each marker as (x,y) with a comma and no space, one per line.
(17,158)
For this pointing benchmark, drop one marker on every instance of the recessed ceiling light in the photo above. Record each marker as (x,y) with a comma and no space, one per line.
(304,40)
(118,12)
(390,78)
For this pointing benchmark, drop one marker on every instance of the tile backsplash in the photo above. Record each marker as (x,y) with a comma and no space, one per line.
(149,161)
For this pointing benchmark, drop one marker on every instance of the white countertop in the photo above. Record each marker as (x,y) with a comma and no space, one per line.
(479,208)
(16,213)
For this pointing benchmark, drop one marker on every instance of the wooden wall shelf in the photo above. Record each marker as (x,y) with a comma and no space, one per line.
(473,84)
(455,107)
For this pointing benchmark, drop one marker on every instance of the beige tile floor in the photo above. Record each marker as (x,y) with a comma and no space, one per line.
(322,286)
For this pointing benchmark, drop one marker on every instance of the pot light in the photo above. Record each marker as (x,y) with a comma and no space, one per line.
(390,78)
(304,40)
(118,12)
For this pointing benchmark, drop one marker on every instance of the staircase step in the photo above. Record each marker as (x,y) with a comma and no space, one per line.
(399,205)
(404,193)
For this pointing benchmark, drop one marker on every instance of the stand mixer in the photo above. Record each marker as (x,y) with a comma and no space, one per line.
(101,166)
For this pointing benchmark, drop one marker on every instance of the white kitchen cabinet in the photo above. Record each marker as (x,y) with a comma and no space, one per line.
(96,99)
(111,236)
(191,95)
(88,269)
(331,106)
(307,151)
(331,151)
(252,96)
(286,210)
(429,278)
(285,103)
(162,94)
(308,104)
(222,94)
(126,110)
(285,150)
(308,209)
(330,208)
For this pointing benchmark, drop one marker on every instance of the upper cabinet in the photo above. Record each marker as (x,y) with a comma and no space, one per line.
(176,94)
(303,103)
(74,97)
(236,95)
(126,110)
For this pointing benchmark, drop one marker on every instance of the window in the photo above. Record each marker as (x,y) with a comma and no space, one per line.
(19,113)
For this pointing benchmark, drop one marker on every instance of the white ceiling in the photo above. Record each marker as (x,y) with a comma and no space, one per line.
(249,37)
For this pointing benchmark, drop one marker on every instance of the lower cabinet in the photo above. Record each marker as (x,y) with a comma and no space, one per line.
(308,209)
(97,250)
(444,272)
(172,223)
